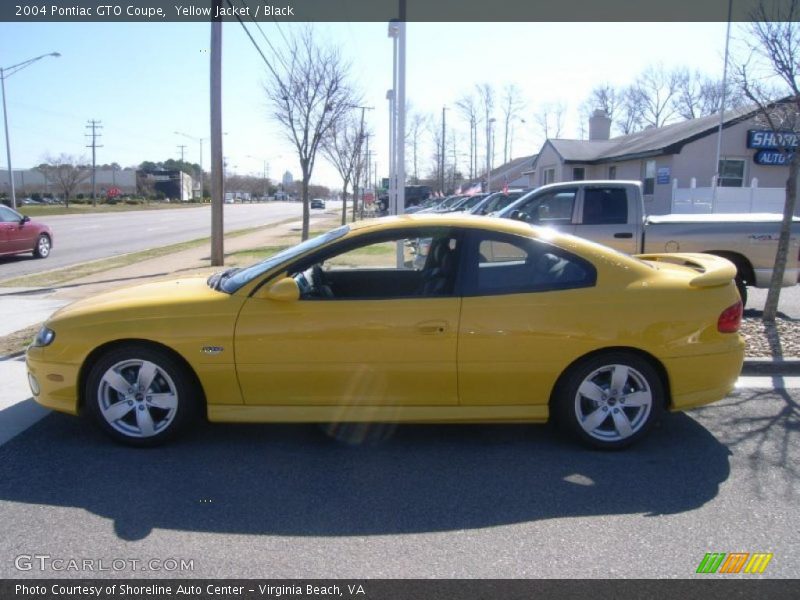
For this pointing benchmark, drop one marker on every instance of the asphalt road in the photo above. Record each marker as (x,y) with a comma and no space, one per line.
(502,501)
(82,238)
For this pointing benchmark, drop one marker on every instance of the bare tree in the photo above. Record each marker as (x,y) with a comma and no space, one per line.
(699,95)
(65,172)
(416,125)
(775,56)
(436,139)
(550,119)
(309,92)
(654,92)
(342,147)
(512,106)
(468,107)
(486,100)
(630,112)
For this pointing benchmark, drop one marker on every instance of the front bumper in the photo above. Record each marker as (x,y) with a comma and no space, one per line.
(56,382)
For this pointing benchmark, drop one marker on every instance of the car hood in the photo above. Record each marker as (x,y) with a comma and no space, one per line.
(159,298)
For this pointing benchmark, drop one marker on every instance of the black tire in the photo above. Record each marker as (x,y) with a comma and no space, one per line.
(171,401)
(599,421)
(43,246)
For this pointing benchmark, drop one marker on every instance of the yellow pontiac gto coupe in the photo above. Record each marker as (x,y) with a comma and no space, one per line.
(406,319)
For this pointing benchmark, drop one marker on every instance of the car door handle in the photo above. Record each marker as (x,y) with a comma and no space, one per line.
(624,235)
(432,327)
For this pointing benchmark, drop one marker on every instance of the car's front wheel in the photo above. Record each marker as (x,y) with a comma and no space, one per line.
(610,400)
(42,247)
(140,395)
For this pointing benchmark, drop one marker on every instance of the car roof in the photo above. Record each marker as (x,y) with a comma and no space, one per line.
(582,246)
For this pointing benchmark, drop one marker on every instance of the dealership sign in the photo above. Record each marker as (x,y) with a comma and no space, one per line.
(773,158)
(765,139)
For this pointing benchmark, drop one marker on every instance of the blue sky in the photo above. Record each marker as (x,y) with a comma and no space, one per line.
(146,80)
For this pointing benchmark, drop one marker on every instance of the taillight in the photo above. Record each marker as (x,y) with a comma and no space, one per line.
(731,318)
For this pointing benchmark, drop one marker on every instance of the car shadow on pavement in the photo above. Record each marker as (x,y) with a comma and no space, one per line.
(293,480)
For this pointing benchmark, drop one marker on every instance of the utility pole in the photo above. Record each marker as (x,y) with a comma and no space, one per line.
(181,147)
(217,184)
(359,162)
(94,126)
(441,178)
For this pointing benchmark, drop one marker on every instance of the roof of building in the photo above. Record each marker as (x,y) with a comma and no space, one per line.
(657,140)
(510,171)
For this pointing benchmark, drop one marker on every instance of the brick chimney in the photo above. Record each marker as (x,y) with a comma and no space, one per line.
(599,125)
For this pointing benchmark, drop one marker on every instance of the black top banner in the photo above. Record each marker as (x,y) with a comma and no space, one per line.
(376,10)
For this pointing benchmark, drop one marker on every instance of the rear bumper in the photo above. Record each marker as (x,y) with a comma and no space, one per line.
(699,380)
(790,277)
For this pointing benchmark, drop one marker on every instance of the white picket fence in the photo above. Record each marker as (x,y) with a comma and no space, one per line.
(751,199)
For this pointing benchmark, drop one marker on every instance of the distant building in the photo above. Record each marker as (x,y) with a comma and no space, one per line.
(287,180)
(676,163)
(32,181)
(175,185)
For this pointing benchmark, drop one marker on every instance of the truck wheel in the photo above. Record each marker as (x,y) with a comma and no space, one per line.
(742,287)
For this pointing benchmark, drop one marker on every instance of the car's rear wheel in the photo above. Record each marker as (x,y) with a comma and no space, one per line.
(609,401)
(141,395)
(42,247)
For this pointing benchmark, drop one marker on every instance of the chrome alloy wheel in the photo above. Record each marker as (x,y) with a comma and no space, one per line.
(43,246)
(137,398)
(613,402)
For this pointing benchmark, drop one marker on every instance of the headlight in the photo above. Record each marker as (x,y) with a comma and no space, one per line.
(45,337)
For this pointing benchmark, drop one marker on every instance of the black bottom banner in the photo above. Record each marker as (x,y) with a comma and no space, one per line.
(399,589)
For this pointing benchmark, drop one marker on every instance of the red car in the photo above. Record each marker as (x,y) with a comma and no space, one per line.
(19,234)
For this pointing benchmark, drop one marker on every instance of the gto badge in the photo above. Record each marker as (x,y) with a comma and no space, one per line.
(213,350)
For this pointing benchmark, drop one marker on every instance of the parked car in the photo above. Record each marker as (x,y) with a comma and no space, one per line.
(503,322)
(317,203)
(495,202)
(18,234)
(468,203)
(613,213)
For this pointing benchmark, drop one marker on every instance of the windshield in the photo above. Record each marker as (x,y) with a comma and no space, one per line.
(246,275)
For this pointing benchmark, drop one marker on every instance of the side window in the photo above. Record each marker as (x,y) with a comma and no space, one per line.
(369,268)
(7,215)
(605,206)
(505,264)
(649,180)
(550,208)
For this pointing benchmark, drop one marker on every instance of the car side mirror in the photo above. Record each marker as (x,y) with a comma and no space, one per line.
(283,290)
(24,219)
(516,215)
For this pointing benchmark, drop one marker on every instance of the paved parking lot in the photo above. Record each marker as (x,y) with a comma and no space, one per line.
(432,501)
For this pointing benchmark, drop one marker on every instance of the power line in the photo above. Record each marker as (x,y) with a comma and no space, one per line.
(182,148)
(94,126)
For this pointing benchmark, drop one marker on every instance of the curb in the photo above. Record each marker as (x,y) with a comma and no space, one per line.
(769,366)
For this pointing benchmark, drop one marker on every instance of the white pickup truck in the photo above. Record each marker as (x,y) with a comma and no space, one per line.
(612,213)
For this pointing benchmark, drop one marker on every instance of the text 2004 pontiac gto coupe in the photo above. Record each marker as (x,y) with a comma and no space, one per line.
(407,319)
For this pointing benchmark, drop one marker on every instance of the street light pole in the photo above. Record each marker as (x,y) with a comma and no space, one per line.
(4,74)
(200,141)
(489,124)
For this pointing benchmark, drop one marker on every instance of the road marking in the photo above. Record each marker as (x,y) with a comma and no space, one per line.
(156,228)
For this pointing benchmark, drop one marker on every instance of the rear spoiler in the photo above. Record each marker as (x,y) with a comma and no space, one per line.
(712,270)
